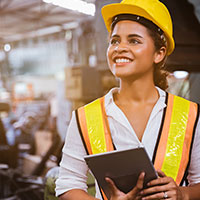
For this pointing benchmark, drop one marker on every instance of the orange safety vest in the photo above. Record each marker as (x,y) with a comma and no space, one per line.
(174,143)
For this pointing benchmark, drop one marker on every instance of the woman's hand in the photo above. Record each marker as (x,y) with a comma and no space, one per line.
(162,188)
(134,194)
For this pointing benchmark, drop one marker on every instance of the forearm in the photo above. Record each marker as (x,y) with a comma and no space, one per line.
(191,192)
(76,194)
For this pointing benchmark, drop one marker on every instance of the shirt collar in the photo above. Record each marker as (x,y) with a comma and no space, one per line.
(109,100)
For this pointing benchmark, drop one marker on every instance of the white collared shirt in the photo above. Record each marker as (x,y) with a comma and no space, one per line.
(73,169)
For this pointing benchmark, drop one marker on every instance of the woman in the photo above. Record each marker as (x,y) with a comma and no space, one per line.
(138,113)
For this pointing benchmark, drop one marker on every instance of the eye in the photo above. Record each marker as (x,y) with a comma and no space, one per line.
(134,41)
(114,41)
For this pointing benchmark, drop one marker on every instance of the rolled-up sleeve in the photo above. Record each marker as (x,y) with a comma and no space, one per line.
(73,169)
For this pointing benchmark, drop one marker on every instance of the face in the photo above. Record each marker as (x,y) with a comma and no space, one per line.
(131,51)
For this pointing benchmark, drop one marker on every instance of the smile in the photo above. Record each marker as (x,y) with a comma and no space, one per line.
(122,60)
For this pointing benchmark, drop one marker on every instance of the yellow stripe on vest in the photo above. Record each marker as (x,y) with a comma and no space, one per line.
(176,137)
(94,121)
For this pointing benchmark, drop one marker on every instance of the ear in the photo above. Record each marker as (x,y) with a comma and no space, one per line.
(160,55)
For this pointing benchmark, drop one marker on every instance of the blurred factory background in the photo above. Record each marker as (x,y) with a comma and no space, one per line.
(52,60)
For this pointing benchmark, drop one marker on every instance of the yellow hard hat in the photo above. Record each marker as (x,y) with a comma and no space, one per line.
(152,10)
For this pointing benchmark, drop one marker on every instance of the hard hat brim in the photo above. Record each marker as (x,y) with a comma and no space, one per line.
(111,10)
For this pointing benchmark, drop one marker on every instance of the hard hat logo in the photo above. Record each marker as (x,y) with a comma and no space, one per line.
(153,10)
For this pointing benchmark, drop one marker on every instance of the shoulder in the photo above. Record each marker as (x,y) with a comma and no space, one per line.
(181,99)
(106,100)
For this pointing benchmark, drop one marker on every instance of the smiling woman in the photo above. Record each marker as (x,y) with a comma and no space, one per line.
(147,30)
(138,113)
(127,50)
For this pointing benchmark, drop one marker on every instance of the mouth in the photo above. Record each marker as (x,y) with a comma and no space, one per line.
(122,60)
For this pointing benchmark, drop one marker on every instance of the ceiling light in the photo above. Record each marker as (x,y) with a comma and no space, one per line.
(77,5)
(180,74)
(7,47)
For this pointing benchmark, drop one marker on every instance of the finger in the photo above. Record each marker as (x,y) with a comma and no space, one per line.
(139,185)
(112,187)
(161,173)
(140,181)
(156,189)
(160,181)
(138,198)
(156,196)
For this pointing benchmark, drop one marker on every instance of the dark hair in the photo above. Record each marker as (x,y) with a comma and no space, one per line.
(160,74)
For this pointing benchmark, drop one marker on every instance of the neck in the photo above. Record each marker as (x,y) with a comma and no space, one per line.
(137,91)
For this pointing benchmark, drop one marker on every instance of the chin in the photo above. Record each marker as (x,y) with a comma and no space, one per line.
(123,74)
(129,77)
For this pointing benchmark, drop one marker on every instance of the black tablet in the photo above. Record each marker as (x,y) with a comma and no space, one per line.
(123,167)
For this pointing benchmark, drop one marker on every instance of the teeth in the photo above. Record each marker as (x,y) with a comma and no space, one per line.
(122,60)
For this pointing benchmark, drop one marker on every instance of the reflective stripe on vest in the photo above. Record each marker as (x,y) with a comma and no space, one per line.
(173,153)
(94,129)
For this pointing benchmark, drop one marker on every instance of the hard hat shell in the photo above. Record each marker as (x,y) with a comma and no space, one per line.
(152,10)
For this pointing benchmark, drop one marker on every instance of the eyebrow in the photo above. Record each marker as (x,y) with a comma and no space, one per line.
(134,35)
(129,36)
(115,36)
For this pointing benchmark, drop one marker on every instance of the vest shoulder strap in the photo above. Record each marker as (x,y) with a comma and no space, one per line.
(174,146)
(94,127)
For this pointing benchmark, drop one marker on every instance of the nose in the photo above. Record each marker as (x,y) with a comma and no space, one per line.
(121,48)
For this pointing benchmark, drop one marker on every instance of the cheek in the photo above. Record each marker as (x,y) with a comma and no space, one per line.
(145,51)
(109,59)
(109,54)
